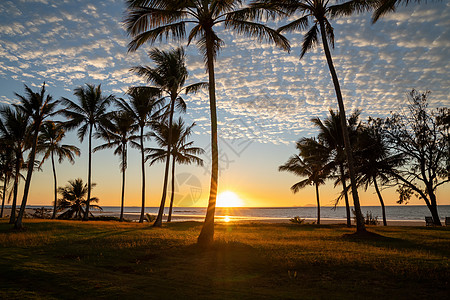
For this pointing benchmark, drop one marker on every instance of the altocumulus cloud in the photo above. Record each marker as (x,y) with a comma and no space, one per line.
(264,94)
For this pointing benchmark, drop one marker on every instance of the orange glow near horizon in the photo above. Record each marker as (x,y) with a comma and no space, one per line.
(229,199)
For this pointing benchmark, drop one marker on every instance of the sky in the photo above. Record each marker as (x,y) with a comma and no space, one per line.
(266,97)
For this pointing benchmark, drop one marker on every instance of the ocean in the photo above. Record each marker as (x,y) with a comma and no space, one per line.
(393,213)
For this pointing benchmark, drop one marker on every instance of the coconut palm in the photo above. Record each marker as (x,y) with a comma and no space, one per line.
(375,161)
(143,106)
(330,134)
(74,202)
(117,130)
(148,21)
(312,163)
(182,150)
(6,168)
(169,76)
(321,12)
(87,114)
(50,144)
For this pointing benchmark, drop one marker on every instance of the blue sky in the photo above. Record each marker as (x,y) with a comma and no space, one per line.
(266,97)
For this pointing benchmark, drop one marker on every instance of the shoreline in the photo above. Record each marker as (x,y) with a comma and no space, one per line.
(134,217)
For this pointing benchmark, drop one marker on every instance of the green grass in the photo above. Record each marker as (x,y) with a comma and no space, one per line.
(73,260)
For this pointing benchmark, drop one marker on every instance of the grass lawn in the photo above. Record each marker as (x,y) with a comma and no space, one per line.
(73,260)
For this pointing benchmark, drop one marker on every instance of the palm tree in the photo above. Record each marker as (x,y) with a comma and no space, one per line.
(312,163)
(50,144)
(182,150)
(330,134)
(142,107)
(6,168)
(38,107)
(88,114)
(74,200)
(152,20)
(117,130)
(320,11)
(169,76)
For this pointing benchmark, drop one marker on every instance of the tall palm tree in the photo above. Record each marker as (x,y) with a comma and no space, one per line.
(320,12)
(6,167)
(153,20)
(50,144)
(117,131)
(143,106)
(375,160)
(169,76)
(14,131)
(330,134)
(74,202)
(182,150)
(312,163)
(88,114)
(38,107)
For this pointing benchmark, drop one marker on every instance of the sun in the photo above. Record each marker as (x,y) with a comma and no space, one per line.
(228,199)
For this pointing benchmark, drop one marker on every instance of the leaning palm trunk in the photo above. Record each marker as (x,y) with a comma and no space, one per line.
(158,221)
(318,204)
(383,210)
(141,218)
(88,200)
(169,218)
(360,227)
(18,224)
(55,187)
(344,190)
(5,184)
(206,236)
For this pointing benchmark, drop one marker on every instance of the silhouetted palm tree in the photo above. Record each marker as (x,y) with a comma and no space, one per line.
(312,163)
(330,134)
(6,167)
(320,12)
(148,21)
(375,160)
(117,130)
(182,150)
(88,114)
(143,106)
(74,202)
(50,144)
(38,107)
(169,75)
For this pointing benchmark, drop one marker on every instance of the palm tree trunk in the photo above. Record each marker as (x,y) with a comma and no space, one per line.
(12,217)
(5,184)
(318,204)
(141,218)
(124,158)
(158,221)
(55,187)
(344,186)
(206,236)
(88,200)
(18,224)
(360,227)
(383,210)
(169,219)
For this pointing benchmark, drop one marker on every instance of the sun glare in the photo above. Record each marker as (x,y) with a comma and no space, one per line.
(228,199)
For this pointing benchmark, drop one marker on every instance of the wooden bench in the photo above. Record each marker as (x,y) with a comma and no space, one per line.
(447,221)
(429,221)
